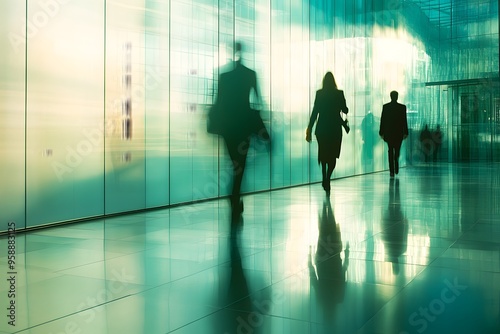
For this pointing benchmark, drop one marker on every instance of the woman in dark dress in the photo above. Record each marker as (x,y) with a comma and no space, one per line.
(328,104)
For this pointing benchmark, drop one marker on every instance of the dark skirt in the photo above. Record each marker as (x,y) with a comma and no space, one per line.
(328,149)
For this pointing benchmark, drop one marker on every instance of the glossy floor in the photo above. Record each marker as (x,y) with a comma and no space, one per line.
(417,254)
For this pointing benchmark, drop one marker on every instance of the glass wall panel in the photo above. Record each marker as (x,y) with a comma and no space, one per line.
(125,77)
(262,65)
(157,97)
(12,125)
(193,154)
(64,111)
(281,69)
(299,92)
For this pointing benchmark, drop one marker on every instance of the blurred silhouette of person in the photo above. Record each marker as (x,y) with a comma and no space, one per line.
(393,129)
(437,138)
(426,142)
(328,104)
(368,132)
(238,121)
(395,225)
(327,272)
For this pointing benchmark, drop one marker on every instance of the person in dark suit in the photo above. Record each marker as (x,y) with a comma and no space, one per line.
(393,129)
(328,104)
(237,121)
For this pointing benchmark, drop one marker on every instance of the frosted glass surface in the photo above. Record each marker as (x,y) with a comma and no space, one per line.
(64,112)
(12,131)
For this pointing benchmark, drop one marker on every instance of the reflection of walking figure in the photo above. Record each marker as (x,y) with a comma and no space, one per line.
(426,142)
(237,121)
(328,273)
(437,138)
(328,104)
(395,224)
(393,129)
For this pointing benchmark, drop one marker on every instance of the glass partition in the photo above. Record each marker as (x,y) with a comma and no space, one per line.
(125,99)
(12,117)
(64,111)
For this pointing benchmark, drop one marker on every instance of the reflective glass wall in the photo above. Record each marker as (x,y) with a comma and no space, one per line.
(103,103)
(462,91)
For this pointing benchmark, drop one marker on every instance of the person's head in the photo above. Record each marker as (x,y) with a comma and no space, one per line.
(329,81)
(238,48)
(394,96)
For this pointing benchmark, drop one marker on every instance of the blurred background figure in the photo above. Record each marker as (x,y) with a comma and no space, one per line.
(426,142)
(437,138)
(328,105)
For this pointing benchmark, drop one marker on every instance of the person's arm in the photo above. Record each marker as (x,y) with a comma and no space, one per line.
(381,132)
(312,119)
(255,86)
(343,106)
(405,123)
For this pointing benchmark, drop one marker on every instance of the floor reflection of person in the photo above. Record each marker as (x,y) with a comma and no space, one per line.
(395,227)
(329,103)
(238,286)
(327,270)
(235,287)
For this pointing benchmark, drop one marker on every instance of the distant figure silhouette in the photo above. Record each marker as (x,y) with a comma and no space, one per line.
(237,120)
(437,138)
(393,129)
(426,142)
(328,104)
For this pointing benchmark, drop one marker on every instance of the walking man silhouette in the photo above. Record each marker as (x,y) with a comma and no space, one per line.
(393,129)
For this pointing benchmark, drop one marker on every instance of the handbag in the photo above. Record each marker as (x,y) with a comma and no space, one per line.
(345,125)
(214,120)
